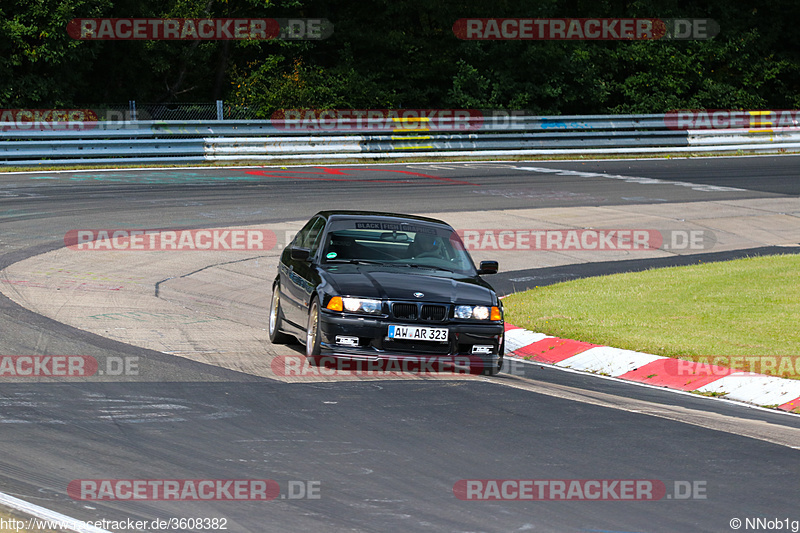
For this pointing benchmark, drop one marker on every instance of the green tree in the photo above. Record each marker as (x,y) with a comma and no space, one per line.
(396,53)
(40,65)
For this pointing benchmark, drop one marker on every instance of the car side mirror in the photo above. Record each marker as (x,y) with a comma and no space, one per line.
(300,254)
(488,267)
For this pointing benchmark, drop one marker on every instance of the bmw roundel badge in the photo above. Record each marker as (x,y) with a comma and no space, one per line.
(419,294)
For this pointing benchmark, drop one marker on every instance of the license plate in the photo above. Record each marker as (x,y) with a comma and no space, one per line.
(416,333)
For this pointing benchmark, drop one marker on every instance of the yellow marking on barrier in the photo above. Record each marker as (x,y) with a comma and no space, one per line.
(410,147)
(410,119)
(411,138)
(757,113)
(764,130)
(411,129)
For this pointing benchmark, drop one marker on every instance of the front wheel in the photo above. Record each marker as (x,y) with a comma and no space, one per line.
(276,336)
(495,369)
(313,349)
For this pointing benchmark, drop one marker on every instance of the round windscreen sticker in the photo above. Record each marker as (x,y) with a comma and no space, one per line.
(331,255)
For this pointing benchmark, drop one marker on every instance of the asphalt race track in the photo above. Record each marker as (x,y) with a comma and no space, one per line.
(384,455)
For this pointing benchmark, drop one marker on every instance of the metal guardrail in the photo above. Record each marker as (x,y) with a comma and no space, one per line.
(270,140)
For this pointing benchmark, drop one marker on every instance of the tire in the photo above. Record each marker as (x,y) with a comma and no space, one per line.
(494,370)
(276,336)
(313,349)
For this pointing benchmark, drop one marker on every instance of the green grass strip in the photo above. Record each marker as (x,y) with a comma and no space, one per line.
(705,312)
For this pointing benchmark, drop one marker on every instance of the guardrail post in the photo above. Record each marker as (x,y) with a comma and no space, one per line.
(219,110)
(132,108)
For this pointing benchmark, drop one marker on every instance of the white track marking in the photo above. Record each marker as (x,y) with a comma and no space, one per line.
(631,179)
(65,522)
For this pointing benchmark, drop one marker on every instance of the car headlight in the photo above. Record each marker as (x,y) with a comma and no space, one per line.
(355,305)
(478,312)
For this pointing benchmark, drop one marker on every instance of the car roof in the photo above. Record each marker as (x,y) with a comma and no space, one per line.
(346,214)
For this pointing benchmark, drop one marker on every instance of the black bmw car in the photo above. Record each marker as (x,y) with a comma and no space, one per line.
(382,286)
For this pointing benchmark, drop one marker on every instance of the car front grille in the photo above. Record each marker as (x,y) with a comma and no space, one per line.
(426,312)
(405,311)
(436,313)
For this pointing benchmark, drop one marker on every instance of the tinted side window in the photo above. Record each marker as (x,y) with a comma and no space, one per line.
(303,239)
(301,235)
(308,237)
(315,234)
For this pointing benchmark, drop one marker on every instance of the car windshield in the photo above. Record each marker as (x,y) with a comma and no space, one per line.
(408,245)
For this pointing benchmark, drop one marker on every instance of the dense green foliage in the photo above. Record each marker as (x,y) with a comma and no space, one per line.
(392,54)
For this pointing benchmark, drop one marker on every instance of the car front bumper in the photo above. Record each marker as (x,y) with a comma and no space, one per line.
(472,344)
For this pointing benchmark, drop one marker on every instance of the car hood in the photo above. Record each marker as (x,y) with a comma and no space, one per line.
(400,284)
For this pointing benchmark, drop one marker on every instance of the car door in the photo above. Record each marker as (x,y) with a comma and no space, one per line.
(298,277)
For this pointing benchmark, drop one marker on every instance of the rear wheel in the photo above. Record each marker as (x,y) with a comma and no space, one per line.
(276,336)
(312,332)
